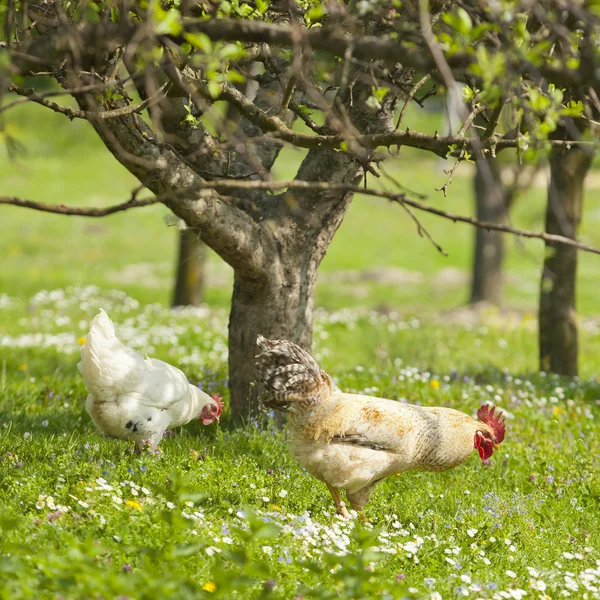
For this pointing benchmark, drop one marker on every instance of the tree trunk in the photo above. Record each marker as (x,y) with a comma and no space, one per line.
(189,282)
(557,316)
(492,206)
(279,308)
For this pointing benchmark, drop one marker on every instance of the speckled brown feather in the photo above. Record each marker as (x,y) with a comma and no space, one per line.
(290,376)
(352,441)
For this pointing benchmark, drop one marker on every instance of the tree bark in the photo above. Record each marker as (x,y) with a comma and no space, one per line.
(281,310)
(557,315)
(491,206)
(190,278)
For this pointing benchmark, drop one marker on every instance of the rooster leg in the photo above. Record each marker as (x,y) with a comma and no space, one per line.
(359,498)
(339,504)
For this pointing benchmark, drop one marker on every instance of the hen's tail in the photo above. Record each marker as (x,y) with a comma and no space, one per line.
(106,364)
(290,376)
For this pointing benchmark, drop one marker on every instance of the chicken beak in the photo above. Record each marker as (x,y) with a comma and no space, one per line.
(496,446)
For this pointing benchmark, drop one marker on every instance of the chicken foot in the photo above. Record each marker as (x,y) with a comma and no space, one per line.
(141,444)
(358,500)
(339,503)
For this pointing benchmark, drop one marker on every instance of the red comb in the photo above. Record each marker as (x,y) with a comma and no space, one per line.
(489,417)
(217,399)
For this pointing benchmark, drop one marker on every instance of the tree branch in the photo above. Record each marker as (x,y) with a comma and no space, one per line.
(77,113)
(62,209)
(274,186)
(336,41)
(323,186)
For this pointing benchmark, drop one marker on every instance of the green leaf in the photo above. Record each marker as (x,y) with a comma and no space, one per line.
(465,22)
(170,24)
(231,52)
(183,550)
(236,556)
(226,7)
(380,93)
(262,6)
(315,13)
(459,21)
(245,10)
(235,77)
(193,496)
(467,94)
(267,531)
(200,41)
(214,89)
(573,109)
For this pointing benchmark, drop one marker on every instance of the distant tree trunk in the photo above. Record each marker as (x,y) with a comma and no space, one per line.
(189,282)
(557,315)
(492,204)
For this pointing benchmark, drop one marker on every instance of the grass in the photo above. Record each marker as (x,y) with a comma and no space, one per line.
(226,513)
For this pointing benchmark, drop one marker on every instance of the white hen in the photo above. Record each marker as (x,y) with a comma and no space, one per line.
(132,398)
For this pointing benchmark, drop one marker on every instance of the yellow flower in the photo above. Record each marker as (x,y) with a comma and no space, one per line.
(557,410)
(81,341)
(435,384)
(22,367)
(275,507)
(209,586)
(134,504)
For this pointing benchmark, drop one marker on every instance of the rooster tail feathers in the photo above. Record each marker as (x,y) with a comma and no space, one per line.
(289,375)
(105,361)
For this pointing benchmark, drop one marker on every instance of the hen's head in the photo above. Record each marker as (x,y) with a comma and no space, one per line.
(212,410)
(486,439)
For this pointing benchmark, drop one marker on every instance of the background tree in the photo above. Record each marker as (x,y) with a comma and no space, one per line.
(557,315)
(343,70)
(190,277)
(492,203)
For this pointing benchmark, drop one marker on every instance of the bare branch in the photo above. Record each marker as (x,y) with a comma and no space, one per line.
(400,198)
(410,96)
(88,115)
(274,186)
(80,211)
(84,89)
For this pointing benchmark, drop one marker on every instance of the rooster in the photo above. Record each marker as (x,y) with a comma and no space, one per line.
(352,442)
(132,398)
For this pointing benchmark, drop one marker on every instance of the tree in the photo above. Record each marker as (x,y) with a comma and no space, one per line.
(350,67)
(190,277)
(557,317)
(491,204)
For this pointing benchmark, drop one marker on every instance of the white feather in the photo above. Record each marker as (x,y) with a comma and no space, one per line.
(131,397)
